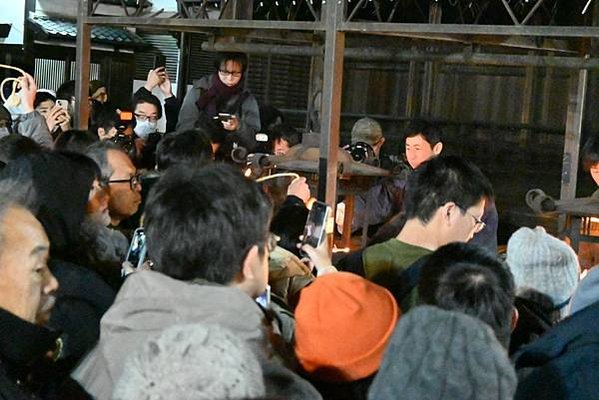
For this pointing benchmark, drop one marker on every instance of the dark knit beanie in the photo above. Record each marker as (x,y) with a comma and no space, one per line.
(439,354)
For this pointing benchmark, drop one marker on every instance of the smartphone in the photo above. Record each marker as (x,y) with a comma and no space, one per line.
(223,117)
(159,61)
(261,137)
(315,229)
(264,298)
(64,104)
(136,254)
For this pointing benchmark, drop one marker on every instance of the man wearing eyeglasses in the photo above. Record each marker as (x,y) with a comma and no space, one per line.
(220,104)
(207,235)
(445,204)
(124,185)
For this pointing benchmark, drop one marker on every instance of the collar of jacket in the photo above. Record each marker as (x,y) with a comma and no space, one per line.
(23,343)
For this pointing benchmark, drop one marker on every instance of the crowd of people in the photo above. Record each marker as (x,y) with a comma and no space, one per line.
(225,302)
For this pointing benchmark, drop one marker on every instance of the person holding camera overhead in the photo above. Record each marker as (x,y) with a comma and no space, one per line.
(221,105)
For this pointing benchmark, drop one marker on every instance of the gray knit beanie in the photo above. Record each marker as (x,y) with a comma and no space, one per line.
(544,263)
(366,130)
(188,362)
(439,354)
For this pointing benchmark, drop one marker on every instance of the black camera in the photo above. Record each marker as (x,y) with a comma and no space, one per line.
(363,153)
(123,138)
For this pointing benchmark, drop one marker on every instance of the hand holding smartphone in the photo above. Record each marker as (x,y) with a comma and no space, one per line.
(136,255)
(315,228)
(223,117)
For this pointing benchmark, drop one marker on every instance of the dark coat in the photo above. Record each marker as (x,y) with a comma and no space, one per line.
(244,106)
(81,301)
(563,363)
(25,370)
(62,183)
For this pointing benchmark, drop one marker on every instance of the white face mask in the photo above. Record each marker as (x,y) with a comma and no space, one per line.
(4,132)
(14,105)
(143,129)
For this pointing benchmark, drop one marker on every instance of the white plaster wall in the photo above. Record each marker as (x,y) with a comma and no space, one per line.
(13,12)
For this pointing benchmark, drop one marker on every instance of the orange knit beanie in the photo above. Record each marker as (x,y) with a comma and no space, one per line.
(343,325)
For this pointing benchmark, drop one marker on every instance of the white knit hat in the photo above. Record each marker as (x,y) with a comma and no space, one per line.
(188,362)
(544,263)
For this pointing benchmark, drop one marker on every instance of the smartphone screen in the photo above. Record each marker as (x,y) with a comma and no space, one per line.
(315,229)
(224,116)
(137,250)
(264,298)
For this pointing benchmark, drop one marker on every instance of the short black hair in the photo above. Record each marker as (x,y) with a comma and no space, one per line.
(40,97)
(286,132)
(443,179)
(239,58)
(107,118)
(66,91)
(430,132)
(590,152)
(75,140)
(147,98)
(200,223)
(467,278)
(191,148)
(15,145)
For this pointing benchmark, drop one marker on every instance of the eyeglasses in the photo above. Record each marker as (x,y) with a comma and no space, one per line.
(227,74)
(271,242)
(479,224)
(144,118)
(134,181)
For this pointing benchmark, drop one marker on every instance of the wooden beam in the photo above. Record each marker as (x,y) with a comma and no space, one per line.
(198,25)
(468,29)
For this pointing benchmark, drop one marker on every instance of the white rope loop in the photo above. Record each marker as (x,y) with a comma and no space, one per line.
(13,99)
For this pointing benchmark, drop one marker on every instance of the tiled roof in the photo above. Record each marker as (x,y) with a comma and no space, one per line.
(67,30)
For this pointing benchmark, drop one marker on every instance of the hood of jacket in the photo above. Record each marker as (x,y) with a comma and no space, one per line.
(149,302)
(562,364)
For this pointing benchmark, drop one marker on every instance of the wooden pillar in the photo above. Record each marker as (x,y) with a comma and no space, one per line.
(576,103)
(183,65)
(331,103)
(83,59)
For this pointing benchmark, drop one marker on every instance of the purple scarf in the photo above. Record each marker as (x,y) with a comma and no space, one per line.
(217,95)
